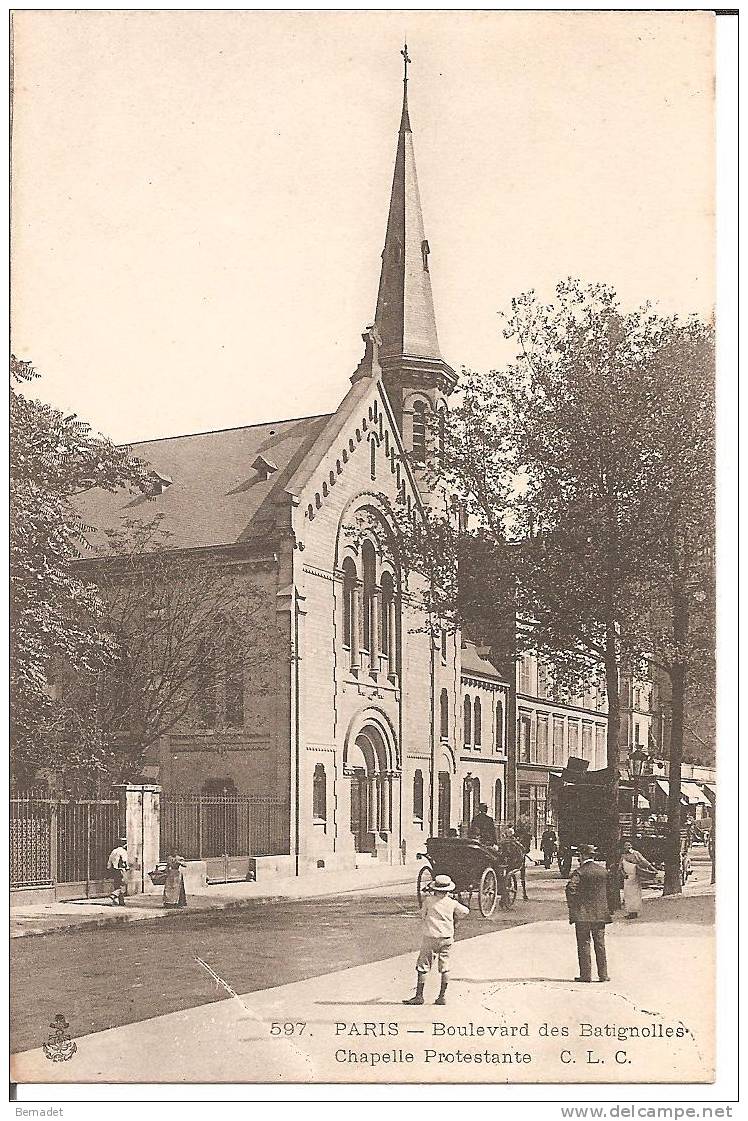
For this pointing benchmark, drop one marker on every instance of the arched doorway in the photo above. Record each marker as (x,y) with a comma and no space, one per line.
(443,804)
(368,768)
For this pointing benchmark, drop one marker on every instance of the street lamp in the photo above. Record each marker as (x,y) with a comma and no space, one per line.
(639,758)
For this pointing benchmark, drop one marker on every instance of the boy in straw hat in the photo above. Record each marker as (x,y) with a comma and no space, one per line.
(438,914)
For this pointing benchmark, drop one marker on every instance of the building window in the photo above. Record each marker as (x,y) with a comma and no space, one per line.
(350,581)
(442,434)
(542,737)
(444,714)
(388,619)
(419,432)
(369,565)
(587,749)
(206,686)
(558,741)
(526,675)
(443,638)
(601,749)
(637,733)
(498,801)
(524,725)
(467,718)
(234,685)
(373,455)
(418,796)
(319,794)
(533,806)
(477,724)
(574,738)
(470,799)
(500,726)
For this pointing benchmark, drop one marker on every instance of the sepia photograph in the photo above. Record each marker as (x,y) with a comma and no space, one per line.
(363,567)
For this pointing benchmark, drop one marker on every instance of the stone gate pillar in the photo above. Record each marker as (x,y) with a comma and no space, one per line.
(139,817)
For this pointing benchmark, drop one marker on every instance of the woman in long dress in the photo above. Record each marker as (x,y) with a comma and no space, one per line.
(631,863)
(174,892)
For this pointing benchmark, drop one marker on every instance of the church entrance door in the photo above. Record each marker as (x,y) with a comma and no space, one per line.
(359,790)
(443,809)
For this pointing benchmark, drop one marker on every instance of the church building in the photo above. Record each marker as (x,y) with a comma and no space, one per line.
(373,731)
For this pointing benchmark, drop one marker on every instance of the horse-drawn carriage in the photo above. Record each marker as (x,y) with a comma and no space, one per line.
(651,842)
(490,873)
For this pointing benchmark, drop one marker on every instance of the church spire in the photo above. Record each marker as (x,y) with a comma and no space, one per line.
(405,319)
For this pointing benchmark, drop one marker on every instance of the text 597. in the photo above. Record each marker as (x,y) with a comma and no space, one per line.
(290,1027)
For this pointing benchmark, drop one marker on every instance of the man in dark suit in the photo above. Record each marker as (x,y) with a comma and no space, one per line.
(483,827)
(587,898)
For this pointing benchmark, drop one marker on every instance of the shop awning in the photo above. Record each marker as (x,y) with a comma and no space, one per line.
(664,786)
(694,793)
(710,789)
(642,802)
(690,793)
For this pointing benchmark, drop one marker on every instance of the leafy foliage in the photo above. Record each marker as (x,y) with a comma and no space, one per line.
(55,614)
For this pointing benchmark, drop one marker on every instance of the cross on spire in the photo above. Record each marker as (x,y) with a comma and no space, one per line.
(406,60)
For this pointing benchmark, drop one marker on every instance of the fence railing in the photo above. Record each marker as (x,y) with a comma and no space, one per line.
(204,826)
(60,840)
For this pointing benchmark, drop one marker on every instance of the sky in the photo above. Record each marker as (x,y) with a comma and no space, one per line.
(200,198)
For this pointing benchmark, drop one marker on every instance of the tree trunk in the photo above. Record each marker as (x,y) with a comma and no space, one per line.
(612,830)
(673,884)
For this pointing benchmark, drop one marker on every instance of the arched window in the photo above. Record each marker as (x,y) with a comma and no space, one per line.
(350,581)
(369,565)
(477,729)
(205,691)
(388,619)
(319,794)
(418,796)
(498,801)
(234,677)
(470,799)
(444,715)
(373,454)
(500,726)
(419,432)
(442,434)
(467,711)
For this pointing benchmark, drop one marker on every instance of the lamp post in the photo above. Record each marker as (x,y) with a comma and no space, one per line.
(639,758)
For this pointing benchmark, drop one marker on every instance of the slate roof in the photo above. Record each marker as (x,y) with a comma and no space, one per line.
(216,497)
(472,663)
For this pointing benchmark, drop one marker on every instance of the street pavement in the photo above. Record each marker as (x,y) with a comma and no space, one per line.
(349,960)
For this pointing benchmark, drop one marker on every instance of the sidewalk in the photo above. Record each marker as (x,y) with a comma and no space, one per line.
(514,1015)
(45,918)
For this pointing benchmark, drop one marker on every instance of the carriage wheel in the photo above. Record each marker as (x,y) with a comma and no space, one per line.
(488,893)
(509,894)
(425,876)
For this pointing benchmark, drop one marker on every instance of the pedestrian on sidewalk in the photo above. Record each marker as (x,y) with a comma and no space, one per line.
(116,867)
(587,899)
(175,894)
(438,915)
(548,845)
(632,866)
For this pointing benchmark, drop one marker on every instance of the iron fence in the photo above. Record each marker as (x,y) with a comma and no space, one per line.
(205,826)
(61,840)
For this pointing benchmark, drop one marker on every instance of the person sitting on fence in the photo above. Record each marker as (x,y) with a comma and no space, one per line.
(116,867)
(174,890)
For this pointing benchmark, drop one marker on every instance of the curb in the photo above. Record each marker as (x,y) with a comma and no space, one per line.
(227,905)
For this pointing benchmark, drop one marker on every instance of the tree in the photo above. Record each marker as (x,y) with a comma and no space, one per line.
(54,613)
(557,474)
(680,599)
(189,633)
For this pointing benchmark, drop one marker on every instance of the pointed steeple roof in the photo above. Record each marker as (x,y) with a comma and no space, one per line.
(405,305)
